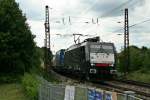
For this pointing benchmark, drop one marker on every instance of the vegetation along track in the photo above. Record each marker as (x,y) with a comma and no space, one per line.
(116,85)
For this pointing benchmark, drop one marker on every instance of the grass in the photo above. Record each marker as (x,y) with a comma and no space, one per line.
(143,76)
(12,91)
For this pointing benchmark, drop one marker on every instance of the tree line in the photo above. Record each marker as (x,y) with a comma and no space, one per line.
(18,51)
(139,59)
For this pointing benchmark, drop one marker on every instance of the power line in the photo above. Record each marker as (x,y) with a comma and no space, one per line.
(140,23)
(80,17)
(111,11)
(87,22)
(128,4)
(116,8)
(135,24)
(105,14)
(89,8)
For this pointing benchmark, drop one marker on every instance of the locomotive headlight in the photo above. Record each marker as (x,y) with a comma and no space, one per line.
(111,65)
(113,71)
(92,64)
(93,71)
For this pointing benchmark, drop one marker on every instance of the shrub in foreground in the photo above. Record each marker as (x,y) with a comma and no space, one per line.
(31,84)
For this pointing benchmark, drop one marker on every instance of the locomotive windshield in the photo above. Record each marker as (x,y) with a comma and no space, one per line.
(102,53)
(101,49)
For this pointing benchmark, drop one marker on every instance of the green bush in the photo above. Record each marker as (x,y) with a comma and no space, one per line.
(31,84)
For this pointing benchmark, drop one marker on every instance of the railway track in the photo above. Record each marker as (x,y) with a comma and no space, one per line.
(140,89)
(136,83)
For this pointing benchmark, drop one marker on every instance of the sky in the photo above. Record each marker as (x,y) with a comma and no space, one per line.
(110,14)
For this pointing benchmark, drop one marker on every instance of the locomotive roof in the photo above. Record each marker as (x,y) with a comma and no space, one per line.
(85,43)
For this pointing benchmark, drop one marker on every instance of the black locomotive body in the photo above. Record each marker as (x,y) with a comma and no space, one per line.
(90,59)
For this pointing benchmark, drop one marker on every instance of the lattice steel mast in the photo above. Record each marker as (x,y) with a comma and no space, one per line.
(47,28)
(126,42)
(47,37)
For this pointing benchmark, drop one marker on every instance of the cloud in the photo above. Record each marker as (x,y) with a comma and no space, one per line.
(34,9)
(82,11)
(37,28)
(140,39)
(110,8)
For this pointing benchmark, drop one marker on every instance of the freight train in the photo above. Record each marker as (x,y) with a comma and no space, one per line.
(90,59)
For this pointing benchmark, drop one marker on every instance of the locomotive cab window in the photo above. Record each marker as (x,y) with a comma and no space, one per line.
(101,49)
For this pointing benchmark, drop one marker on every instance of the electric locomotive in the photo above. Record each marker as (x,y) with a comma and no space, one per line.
(90,59)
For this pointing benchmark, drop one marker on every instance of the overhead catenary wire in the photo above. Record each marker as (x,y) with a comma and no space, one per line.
(103,15)
(70,20)
(87,10)
(106,13)
(116,8)
(139,23)
(111,11)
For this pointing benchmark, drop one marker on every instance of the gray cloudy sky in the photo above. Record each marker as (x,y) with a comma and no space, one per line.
(109,13)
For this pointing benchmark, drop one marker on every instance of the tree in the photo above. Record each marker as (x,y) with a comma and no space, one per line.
(17,47)
(120,62)
(135,58)
(146,60)
(139,59)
